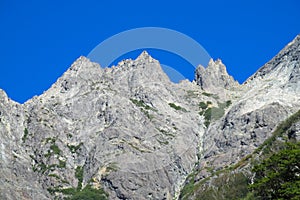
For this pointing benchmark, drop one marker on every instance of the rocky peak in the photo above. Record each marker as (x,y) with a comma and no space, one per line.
(283,68)
(144,56)
(214,77)
(129,130)
(77,78)
(119,125)
(82,67)
(216,65)
(143,70)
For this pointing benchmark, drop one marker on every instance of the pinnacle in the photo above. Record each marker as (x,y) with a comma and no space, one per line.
(144,56)
(214,76)
(78,63)
(295,40)
(216,65)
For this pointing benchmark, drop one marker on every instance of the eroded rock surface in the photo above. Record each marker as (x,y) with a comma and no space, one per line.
(129,130)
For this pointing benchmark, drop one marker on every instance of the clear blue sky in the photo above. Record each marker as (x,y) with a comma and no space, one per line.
(40,39)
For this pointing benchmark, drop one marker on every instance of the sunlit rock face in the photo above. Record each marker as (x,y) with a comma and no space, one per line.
(132,132)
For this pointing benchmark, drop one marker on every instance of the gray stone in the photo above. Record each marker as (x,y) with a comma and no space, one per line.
(136,134)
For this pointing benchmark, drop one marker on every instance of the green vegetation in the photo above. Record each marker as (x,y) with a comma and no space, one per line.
(144,107)
(140,103)
(68,191)
(227,186)
(42,167)
(48,154)
(207,94)
(166,133)
(89,193)
(189,187)
(79,176)
(277,177)
(224,105)
(137,148)
(176,107)
(54,175)
(58,178)
(65,191)
(74,148)
(215,96)
(146,112)
(62,164)
(203,105)
(50,140)
(166,142)
(192,93)
(209,103)
(212,113)
(55,149)
(275,171)
(282,128)
(25,135)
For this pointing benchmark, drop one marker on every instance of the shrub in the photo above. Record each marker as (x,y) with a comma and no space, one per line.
(141,104)
(74,148)
(54,175)
(226,186)
(202,105)
(79,176)
(207,94)
(144,107)
(277,177)
(89,193)
(173,105)
(62,164)
(25,135)
(55,149)
(224,105)
(213,113)
(50,140)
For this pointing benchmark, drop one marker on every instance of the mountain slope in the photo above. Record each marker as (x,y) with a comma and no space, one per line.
(128,132)
(267,98)
(122,132)
(17,180)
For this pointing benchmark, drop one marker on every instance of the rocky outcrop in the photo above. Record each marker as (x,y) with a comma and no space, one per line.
(268,98)
(122,127)
(131,131)
(214,77)
(18,181)
(284,66)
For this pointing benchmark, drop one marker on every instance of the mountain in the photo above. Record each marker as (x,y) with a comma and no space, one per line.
(267,98)
(128,132)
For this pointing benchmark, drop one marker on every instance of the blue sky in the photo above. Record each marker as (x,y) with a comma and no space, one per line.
(41,39)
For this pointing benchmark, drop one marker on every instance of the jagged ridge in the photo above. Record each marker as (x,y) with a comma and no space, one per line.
(129,130)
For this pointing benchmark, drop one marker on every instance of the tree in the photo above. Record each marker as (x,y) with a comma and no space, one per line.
(278,177)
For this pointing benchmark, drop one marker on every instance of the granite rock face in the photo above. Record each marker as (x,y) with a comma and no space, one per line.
(17,180)
(214,77)
(268,97)
(129,130)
